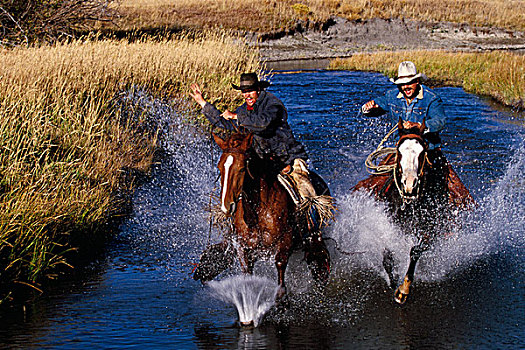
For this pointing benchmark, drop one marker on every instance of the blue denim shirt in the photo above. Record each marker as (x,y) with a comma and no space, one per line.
(426,105)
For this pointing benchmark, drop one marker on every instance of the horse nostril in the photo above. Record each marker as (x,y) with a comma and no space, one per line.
(409,184)
(228,209)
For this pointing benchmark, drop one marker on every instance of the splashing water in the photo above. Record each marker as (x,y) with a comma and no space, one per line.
(496,226)
(176,198)
(362,227)
(253,296)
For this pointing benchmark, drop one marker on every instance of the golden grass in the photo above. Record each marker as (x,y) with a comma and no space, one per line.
(498,74)
(267,15)
(64,144)
(249,15)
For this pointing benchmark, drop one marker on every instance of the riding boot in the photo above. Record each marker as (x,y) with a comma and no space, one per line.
(439,169)
(301,177)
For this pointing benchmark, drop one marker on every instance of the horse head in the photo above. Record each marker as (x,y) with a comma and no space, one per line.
(232,166)
(411,158)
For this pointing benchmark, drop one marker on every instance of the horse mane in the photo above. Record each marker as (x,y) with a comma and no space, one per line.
(234,143)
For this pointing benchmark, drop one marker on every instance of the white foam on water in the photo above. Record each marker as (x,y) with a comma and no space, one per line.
(362,232)
(496,226)
(253,296)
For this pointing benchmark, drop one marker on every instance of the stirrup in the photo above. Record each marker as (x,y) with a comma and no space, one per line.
(290,188)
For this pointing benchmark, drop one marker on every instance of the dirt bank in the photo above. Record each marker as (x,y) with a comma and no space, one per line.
(339,38)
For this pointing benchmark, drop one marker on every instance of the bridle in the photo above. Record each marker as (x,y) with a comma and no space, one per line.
(236,151)
(409,199)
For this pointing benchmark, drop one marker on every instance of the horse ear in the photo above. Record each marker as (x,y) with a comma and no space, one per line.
(400,127)
(222,143)
(247,142)
(422,127)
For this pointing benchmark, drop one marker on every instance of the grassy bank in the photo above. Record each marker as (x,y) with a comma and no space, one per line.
(500,75)
(269,15)
(66,141)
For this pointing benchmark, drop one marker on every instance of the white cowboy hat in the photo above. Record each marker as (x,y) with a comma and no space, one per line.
(406,73)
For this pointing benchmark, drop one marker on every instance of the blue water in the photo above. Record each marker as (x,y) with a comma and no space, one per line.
(469,291)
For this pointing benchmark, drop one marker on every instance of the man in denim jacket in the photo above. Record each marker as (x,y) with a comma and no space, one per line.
(411,101)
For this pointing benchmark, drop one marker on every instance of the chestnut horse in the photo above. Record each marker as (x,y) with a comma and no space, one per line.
(417,195)
(263,216)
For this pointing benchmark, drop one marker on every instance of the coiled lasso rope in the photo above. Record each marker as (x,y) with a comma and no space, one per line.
(380,153)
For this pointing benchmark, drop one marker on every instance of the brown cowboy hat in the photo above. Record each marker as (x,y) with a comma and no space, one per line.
(250,82)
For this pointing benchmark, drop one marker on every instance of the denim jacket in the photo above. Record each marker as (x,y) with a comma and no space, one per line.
(273,137)
(426,105)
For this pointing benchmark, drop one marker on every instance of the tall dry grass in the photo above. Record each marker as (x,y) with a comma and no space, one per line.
(267,15)
(498,74)
(64,143)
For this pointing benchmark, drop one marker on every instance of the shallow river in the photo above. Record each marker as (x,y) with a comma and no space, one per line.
(469,290)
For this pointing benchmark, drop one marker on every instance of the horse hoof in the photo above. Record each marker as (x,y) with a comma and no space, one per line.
(247,325)
(400,297)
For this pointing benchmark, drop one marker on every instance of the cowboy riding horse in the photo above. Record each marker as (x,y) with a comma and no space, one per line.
(420,196)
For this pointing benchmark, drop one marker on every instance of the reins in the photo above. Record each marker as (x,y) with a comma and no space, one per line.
(380,152)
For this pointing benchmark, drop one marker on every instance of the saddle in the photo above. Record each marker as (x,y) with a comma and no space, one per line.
(318,209)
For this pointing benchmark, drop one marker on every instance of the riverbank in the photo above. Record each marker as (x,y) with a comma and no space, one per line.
(339,37)
(484,61)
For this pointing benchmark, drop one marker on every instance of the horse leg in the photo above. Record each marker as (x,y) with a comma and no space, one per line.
(246,260)
(388,265)
(317,258)
(214,260)
(281,261)
(401,293)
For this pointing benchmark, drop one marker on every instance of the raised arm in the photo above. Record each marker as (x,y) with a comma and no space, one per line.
(214,116)
(196,93)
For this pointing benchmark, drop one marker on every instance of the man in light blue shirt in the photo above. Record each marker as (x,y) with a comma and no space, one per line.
(411,101)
